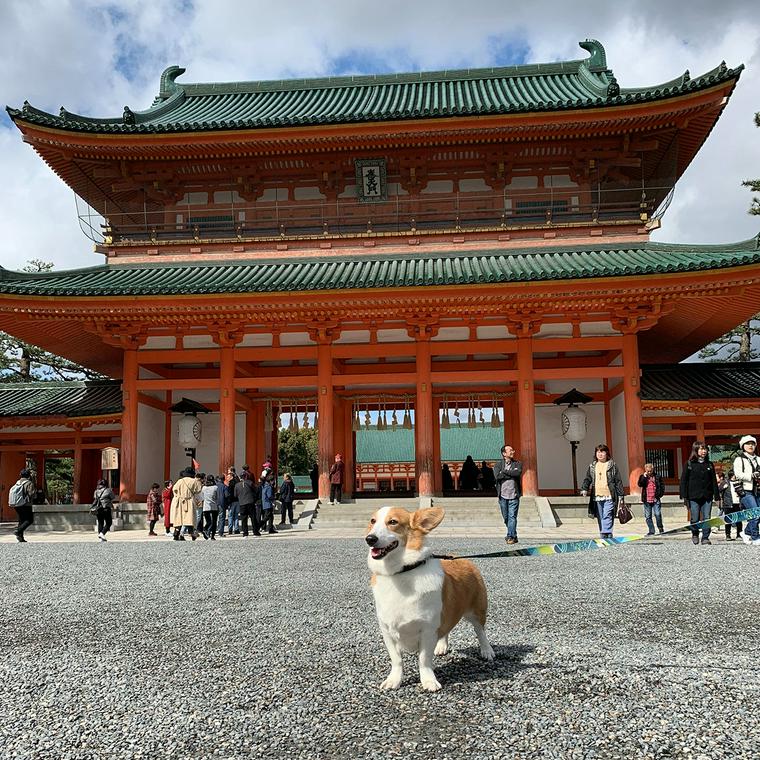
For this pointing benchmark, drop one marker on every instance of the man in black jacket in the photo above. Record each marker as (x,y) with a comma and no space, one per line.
(20,497)
(245,494)
(508,475)
(652,490)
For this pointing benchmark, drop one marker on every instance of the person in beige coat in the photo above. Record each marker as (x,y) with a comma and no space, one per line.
(183,504)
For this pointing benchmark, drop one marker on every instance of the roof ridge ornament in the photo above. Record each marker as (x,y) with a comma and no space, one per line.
(128,117)
(613,88)
(168,83)
(598,59)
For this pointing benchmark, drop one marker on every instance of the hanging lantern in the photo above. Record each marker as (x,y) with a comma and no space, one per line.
(407,423)
(189,430)
(445,421)
(574,423)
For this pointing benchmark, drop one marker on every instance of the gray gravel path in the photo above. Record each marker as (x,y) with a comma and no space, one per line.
(271,648)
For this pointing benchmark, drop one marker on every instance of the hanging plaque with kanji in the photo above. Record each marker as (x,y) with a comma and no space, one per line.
(371,184)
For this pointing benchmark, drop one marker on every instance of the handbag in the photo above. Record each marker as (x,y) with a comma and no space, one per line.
(624,513)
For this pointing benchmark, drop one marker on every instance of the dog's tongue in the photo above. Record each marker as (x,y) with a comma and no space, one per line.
(377,553)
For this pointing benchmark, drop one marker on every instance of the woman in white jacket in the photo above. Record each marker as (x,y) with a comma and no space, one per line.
(747,475)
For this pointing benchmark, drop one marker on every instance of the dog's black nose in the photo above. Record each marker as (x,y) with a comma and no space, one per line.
(371,539)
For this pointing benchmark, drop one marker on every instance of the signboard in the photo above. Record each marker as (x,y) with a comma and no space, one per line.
(371,183)
(109,459)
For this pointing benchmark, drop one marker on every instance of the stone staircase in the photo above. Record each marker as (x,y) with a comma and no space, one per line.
(461,512)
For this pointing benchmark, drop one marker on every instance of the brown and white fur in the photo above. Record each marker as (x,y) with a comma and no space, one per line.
(418,608)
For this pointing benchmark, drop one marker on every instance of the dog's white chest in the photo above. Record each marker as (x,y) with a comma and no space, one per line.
(409,604)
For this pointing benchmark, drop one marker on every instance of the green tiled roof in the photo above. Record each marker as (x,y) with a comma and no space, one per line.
(711,380)
(70,398)
(336,272)
(378,446)
(586,83)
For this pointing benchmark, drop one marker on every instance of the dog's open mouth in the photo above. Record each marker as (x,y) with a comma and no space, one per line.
(378,552)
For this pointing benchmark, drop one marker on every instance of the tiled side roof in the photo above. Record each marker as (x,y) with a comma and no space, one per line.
(586,83)
(66,398)
(683,382)
(338,273)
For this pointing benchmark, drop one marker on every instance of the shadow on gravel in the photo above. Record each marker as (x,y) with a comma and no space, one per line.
(469,668)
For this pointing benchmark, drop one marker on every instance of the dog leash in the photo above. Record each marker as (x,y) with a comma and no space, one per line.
(569,547)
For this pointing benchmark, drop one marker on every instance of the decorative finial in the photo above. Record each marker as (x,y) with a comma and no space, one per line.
(25,108)
(168,84)
(63,113)
(128,116)
(598,60)
(722,69)
(686,78)
(613,88)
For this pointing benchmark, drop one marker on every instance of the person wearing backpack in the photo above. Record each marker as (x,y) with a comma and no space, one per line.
(102,505)
(747,474)
(21,497)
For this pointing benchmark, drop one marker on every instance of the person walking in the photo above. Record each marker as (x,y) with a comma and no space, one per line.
(154,503)
(336,479)
(652,491)
(267,504)
(747,474)
(222,499)
(21,498)
(508,478)
(287,495)
(166,498)
(183,504)
(729,502)
(210,495)
(102,503)
(245,496)
(233,511)
(699,489)
(605,486)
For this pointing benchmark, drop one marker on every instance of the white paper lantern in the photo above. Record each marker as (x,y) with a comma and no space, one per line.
(574,423)
(189,431)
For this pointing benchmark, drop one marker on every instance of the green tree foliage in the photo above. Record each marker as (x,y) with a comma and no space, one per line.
(296,451)
(754,184)
(735,345)
(23,362)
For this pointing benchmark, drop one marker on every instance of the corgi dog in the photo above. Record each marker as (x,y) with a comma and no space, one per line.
(419,598)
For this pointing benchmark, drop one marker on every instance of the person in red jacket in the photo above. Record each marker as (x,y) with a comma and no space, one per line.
(336,479)
(166,497)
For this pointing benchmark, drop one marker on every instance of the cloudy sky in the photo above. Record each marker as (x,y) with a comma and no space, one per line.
(95,57)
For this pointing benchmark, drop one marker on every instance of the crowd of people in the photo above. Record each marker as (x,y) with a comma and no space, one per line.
(199,504)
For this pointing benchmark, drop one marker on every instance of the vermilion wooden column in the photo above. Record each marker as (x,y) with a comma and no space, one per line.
(424,420)
(527,416)
(607,416)
(76,486)
(437,464)
(325,446)
(128,453)
(633,420)
(168,437)
(700,428)
(251,458)
(226,408)
(349,454)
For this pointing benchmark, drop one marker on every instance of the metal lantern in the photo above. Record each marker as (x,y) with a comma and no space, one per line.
(189,430)
(573,423)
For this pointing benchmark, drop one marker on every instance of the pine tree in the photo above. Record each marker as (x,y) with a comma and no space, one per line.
(754,184)
(735,345)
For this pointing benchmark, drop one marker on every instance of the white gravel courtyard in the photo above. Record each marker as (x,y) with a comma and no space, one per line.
(270,648)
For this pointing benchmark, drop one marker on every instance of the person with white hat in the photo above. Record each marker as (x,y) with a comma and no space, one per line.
(747,474)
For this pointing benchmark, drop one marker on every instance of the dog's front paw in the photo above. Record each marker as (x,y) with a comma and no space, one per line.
(487,653)
(392,682)
(430,683)
(442,647)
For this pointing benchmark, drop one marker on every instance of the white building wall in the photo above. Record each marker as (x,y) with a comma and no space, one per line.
(554,454)
(150,447)
(619,444)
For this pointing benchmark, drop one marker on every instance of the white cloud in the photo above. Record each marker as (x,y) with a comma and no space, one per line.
(95,57)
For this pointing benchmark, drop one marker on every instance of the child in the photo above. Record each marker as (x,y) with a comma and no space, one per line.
(652,490)
(727,485)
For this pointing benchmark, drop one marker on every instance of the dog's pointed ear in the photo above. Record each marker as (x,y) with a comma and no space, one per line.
(427,519)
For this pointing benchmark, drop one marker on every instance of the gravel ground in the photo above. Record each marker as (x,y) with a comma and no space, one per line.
(271,648)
